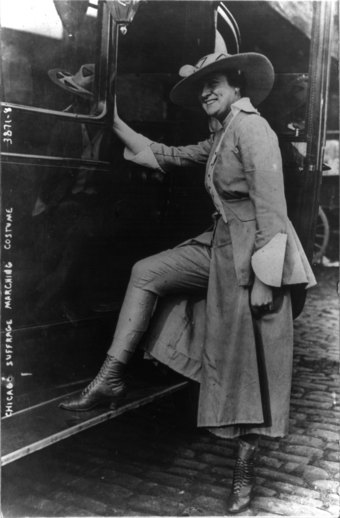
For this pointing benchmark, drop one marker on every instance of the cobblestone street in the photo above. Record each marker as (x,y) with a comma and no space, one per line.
(154,462)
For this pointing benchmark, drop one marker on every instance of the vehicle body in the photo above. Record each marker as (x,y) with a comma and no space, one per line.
(65,267)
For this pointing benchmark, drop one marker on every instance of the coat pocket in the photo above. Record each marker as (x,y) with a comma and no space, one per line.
(243,209)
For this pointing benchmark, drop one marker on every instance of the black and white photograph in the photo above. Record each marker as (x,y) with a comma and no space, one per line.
(170,258)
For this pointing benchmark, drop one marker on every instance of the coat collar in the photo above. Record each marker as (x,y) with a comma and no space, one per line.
(242,105)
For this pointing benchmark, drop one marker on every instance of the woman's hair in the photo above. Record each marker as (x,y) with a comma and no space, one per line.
(236,78)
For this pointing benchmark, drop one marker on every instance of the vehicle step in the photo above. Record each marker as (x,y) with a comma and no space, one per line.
(40,426)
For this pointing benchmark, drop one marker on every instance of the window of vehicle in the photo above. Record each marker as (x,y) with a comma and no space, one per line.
(49,54)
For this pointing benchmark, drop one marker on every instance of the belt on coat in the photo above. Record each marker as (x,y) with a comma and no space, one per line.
(230,197)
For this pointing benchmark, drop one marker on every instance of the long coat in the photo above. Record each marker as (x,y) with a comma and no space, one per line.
(243,364)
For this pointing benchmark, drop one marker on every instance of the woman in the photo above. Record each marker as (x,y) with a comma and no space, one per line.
(242,355)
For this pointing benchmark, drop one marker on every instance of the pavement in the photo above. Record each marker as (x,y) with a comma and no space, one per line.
(154,462)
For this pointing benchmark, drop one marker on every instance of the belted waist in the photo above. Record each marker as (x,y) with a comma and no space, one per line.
(229,196)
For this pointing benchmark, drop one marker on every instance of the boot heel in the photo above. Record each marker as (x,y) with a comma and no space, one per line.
(117,402)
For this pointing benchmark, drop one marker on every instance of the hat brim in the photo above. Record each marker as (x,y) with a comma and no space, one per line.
(257,69)
(71,87)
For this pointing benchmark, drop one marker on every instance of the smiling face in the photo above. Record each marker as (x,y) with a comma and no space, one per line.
(217,95)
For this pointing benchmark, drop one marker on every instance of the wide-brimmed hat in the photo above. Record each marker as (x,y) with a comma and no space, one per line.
(80,83)
(257,70)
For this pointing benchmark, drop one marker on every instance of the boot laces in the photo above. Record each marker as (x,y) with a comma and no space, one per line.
(107,374)
(101,377)
(243,474)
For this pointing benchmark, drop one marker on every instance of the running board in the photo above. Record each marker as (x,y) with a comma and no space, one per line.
(40,426)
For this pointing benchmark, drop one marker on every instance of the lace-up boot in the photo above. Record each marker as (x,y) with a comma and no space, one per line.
(243,479)
(107,388)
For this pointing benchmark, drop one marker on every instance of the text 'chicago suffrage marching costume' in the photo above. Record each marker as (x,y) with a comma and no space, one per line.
(237,339)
